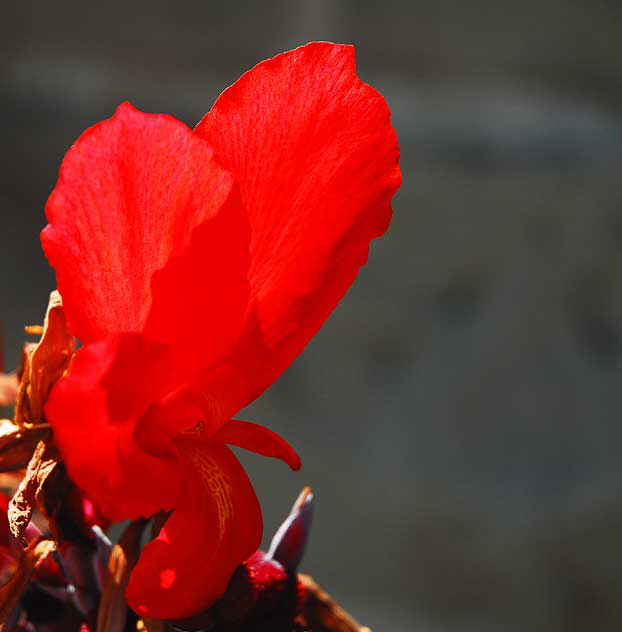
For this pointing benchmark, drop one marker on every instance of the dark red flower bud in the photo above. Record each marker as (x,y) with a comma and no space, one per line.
(288,543)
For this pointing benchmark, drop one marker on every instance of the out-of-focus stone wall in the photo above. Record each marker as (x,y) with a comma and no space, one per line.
(459,415)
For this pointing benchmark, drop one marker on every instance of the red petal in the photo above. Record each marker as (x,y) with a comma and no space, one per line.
(259,439)
(93,411)
(200,297)
(199,304)
(316,159)
(157,428)
(129,194)
(214,528)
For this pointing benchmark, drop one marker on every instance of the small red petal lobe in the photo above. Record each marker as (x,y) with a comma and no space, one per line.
(130,193)
(316,159)
(214,527)
(93,413)
(259,439)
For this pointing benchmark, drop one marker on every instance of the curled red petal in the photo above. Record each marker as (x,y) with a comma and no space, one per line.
(93,411)
(259,439)
(316,159)
(215,526)
(130,192)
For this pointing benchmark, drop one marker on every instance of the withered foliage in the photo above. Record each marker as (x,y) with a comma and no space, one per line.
(43,364)
(26,442)
(29,493)
(18,444)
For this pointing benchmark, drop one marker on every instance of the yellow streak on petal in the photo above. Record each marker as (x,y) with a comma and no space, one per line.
(216,482)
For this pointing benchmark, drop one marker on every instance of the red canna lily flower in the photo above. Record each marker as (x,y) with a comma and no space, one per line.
(194,267)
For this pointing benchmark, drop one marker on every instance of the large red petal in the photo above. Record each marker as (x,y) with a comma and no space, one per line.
(316,159)
(201,296)
(215,526)
(130,192)
(200,300)
(93,411)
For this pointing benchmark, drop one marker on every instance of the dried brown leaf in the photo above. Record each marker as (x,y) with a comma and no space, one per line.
(11,591)
(43,462)
(124,555)
(23,378)
(321,613)
(17,444)
(44,364)
(22,409)
(8,389)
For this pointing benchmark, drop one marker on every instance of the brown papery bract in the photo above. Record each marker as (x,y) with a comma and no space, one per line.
(43,364)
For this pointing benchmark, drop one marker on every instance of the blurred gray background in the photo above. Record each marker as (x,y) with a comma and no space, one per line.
(459,415)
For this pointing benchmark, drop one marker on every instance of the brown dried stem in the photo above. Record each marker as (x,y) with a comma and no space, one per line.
(321,613)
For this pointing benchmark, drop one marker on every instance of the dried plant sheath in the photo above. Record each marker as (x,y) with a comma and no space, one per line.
(43,462)
(17,444)
(43,364)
